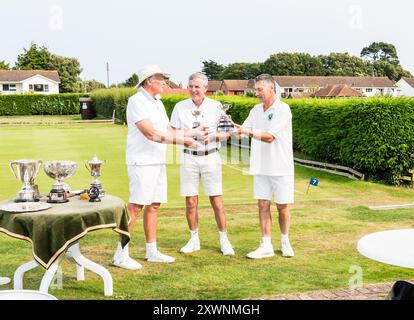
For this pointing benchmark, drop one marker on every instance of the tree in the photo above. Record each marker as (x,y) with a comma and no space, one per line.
(392,71)
(89,85)
(36,58)
(282,64)
(39,58)
(4,65)
(69,70)
(381,51)
(212,69)
(132,81)
(343,64)
(242,71)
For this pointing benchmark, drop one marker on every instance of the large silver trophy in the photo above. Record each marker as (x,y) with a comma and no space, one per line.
(94,166)
(59,170)
(26,171)
(225,123)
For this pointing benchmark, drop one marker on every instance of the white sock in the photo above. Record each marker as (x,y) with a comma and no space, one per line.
(223,236)
(267,241)
(285,237)
(194,234)
(151,247)
(121,251)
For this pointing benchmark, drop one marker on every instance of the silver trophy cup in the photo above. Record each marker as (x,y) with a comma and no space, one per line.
(225,123)
(94,166)
(59,170)
(26,171)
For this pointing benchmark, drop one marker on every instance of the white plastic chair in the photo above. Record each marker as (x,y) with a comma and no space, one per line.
(25,295)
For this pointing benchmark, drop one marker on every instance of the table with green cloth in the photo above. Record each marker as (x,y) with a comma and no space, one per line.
(58,229)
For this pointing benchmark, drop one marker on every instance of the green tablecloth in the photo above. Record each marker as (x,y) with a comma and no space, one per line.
(53,230)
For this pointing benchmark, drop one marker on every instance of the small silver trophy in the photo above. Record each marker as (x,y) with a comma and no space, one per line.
(225,123)
(196,114)
(27,171)
(94,167)
(196,123)
(59,170)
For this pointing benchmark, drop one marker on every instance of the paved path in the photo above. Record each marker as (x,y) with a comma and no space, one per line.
(368,292)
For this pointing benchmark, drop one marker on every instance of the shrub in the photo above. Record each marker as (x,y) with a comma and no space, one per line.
(34,104)
(374,135)
(106,101)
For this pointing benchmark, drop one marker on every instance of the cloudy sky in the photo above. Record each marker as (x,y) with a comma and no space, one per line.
(179,34)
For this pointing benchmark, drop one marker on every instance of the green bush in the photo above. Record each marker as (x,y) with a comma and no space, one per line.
(34,104)
(374,135)
(106,101)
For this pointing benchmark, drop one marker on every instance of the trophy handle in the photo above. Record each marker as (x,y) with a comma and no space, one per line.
(87,166)
(39,162)
(12,168)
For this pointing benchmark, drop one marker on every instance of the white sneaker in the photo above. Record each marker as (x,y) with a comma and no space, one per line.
(191,246)
(159,257)
(287,250)
(4,280)
(226,248)
(126,262)
(261,252)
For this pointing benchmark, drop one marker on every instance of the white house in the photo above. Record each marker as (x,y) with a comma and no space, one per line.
(406,87)
(23,81)
(291,86)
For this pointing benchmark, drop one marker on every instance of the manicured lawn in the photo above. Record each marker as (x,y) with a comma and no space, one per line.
(40,119)
(326,225)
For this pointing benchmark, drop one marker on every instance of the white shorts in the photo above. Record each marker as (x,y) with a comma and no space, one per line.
(282,187)
(147,184)
(207,167)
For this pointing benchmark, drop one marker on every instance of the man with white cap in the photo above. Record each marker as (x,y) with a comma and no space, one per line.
(204,162)
(148,133)
(4,280)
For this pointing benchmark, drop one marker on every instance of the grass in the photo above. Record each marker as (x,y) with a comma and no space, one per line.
(39,118)
(326,225)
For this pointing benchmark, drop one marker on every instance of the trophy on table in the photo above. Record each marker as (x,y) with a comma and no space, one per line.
(94,167)
(27,171)
(225,123)
(59,170)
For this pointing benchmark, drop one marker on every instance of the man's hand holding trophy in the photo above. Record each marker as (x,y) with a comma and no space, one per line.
(224,127)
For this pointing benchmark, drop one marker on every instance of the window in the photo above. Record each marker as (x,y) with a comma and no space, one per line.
(368,90)
(46,88)
(40,87)
(9,87)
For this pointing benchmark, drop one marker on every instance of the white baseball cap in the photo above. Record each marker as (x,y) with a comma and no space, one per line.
(149,71)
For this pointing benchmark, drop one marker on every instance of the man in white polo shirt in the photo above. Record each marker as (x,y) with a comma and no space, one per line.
(148,133)
(204,162)
(269,124)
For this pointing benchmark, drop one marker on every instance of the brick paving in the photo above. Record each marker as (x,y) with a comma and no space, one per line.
(368,292)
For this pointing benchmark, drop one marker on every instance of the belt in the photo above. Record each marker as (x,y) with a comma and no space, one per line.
(200,153)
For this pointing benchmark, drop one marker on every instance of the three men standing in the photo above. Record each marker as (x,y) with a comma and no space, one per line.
(203,162)
(269,124)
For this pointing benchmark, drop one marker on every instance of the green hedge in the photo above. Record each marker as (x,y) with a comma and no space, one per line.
(374,135)
(106,101)
(33,104)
